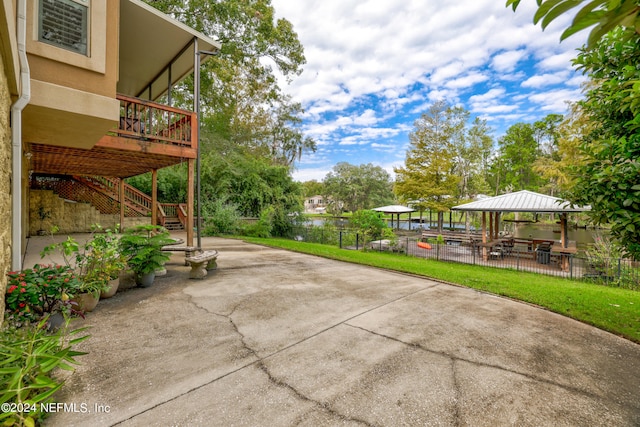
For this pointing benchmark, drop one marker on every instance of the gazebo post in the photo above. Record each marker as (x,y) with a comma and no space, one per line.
(490,225)
(496,228)
(563,230)
(484,235)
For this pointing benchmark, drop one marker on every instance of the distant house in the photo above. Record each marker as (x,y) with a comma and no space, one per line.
(315,204)
(79,87)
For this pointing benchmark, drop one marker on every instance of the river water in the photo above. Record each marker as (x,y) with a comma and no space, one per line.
(582,237)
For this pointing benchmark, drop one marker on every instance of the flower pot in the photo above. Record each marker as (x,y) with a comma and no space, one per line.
(56,320)
(145,280)
(113,288)
(86,302)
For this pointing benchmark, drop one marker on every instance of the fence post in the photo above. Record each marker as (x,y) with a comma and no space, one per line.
(357,241)
(571,266)
(619,268)
(340,239)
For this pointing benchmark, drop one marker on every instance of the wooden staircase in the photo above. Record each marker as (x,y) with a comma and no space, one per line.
(103,194)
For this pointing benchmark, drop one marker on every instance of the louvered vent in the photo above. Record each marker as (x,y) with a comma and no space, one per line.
(64,23)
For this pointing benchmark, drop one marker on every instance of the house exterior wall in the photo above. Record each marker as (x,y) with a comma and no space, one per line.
(8,89)
(73,101)
(5,184)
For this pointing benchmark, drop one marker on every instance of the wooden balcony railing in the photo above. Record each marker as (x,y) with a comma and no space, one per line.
(150,121)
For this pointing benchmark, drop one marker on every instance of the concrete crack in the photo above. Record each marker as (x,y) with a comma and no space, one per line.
(324,406)
(482,364)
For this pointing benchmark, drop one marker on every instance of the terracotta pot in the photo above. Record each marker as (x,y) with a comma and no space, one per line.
(113,288)
(86,302)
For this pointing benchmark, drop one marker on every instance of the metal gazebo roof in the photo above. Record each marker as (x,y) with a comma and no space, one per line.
(522,201)
(393,209)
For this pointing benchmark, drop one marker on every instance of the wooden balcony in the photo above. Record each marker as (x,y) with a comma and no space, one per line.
(148,136)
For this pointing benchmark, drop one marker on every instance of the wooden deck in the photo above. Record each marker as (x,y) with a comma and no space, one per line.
(149,136)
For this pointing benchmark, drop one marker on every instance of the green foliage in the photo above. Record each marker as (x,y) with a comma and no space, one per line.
(313,188)
(369,223)
(37,292)
(29,357)
(513,167)
(96,262)
(262,227)
(142,248)
(608,177)
(250,184)
(433,172)
(603,15)
(606,260)
(358,187)
(220,217)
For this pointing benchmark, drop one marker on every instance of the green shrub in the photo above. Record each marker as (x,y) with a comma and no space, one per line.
(221,218)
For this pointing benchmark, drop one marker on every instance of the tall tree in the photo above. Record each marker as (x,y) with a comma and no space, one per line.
(240,97)
(358,187)
(513,166)
(609,177)
(428,176)
(471,154)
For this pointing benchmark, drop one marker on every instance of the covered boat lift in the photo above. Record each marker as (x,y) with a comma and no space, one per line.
(396,210)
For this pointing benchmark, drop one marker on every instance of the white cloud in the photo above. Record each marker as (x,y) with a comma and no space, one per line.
(374,66)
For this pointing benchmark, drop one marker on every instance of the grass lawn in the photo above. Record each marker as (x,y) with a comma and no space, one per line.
(612,309)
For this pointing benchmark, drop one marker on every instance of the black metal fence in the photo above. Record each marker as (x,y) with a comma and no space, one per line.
(620,272)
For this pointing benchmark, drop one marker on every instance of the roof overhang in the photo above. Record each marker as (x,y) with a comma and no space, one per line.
(522,201)
(149,41)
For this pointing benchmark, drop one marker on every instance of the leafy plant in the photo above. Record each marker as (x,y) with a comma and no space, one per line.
(40,291)
(96,262)
(142,248)
(369,223)
(263,227)
(222,217)
(29,357)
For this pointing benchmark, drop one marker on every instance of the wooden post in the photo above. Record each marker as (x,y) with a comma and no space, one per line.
(491,226)
(484,235)
(122,203)
(190,200)
(496,228)
(154,197)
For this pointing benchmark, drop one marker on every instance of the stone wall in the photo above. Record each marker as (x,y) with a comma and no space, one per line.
(47,209)
(5,185)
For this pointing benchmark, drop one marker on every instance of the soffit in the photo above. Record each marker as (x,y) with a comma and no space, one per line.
(149,41)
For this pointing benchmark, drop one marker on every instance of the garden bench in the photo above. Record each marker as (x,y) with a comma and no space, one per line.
(188,250)
(201,263)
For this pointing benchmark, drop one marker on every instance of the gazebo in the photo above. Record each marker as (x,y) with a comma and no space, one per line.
(523,201)
(397,210)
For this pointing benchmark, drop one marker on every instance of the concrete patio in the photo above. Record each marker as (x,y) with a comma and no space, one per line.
(278,338)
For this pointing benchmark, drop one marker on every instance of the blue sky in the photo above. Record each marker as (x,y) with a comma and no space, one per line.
(373,67)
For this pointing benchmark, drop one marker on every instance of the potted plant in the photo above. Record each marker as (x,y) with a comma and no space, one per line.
(42,215)
(95,263)
(44,290)
(103,261)
(142,247)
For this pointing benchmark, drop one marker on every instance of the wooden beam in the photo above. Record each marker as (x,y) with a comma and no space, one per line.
(140,146)
(190,200)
